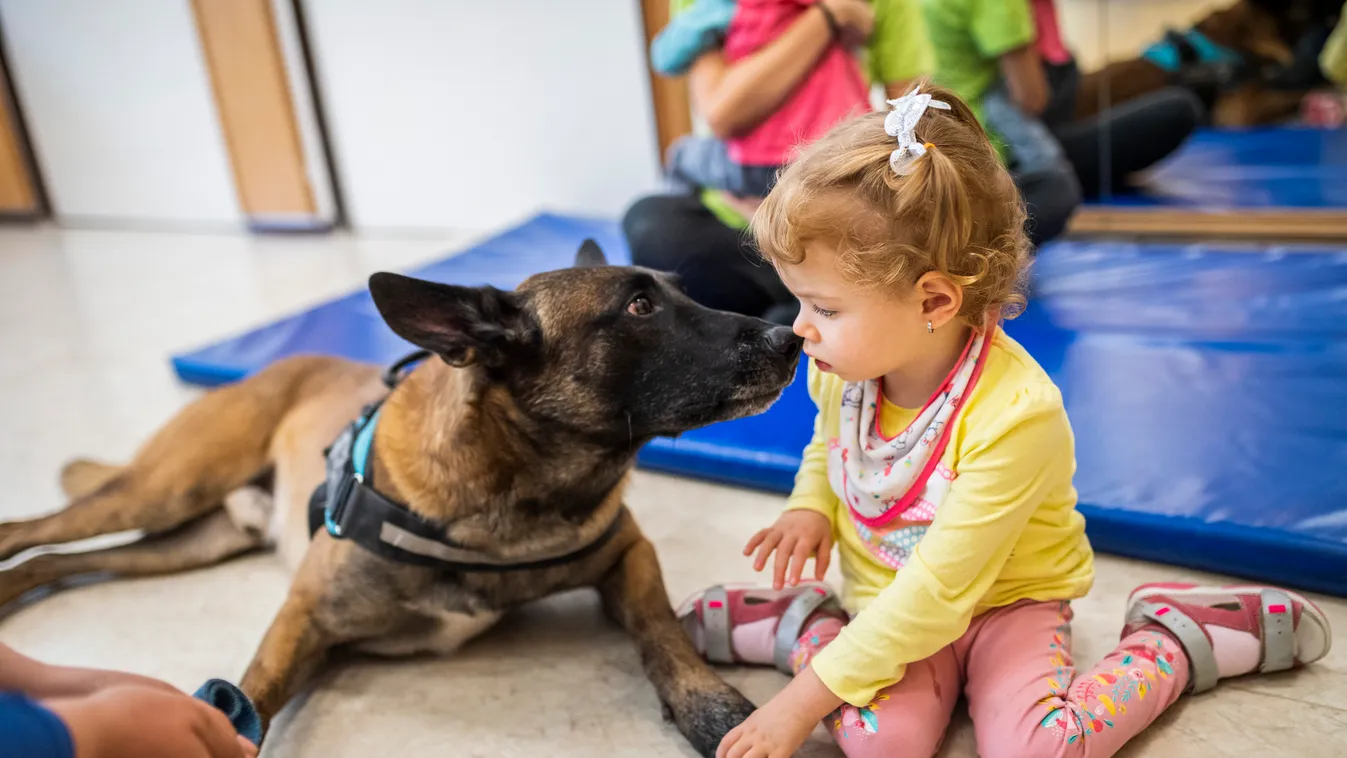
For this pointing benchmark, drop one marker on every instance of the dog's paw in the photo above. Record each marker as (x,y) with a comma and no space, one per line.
(707,717)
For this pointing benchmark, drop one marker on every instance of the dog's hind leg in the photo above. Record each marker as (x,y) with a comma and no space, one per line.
(208,540)
(703,706)
(215,445)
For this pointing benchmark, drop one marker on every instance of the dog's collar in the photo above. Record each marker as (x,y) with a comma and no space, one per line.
(352,510)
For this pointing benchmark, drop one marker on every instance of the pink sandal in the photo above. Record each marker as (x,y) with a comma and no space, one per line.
(1211,623)
(717,618)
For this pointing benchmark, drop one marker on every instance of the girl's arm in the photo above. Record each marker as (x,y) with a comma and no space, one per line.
(734,98)
(932,600)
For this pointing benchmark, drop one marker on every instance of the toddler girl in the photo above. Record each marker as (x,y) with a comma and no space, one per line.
(941,465)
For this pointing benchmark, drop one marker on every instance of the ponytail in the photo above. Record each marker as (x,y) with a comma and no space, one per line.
(903,193)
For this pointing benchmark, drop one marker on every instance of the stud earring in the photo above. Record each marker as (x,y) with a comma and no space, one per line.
(929,328)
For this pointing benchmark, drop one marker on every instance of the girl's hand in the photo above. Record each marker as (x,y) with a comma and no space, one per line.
(777,729)
(768,733)
(794,537)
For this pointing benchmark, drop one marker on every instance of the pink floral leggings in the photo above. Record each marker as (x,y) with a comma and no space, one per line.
(1025,698)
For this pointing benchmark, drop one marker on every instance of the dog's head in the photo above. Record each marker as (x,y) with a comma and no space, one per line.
(610,352)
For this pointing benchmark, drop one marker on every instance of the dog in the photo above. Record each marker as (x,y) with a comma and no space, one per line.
(1244,37)
(508,448)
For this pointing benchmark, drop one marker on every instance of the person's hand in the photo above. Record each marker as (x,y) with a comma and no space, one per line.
(147,722)
(777,729)
(794,537)
(769,733)
(856,17)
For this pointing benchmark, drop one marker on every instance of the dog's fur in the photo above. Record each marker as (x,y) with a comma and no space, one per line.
(518,437)
(1254,30)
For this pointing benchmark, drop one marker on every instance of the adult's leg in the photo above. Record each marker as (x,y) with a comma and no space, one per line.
(696,162)
(1140,132)
(719,266)
(1026,699)
(1050,197)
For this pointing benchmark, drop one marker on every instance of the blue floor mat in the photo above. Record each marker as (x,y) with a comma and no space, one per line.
(1267,168)
(1207,388)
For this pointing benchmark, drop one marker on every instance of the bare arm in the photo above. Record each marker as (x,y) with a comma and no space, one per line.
(896,89)
(19,673)
(1026,80)
(734,98)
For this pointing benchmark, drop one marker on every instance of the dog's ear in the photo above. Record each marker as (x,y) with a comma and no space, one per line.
(589,255)
(463,325)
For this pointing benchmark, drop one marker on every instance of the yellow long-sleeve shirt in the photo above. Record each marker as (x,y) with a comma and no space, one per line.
(1008,529)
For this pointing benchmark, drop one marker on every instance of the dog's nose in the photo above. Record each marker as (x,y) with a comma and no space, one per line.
(783,340)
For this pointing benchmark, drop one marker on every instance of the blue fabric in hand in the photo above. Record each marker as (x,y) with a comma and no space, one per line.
(231,701)
(689,34)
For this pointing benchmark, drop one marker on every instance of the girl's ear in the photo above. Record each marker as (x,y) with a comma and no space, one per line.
(941,299)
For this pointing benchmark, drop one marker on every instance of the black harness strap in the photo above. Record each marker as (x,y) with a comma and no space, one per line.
(352,510)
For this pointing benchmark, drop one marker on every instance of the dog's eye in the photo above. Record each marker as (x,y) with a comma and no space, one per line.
(640,306)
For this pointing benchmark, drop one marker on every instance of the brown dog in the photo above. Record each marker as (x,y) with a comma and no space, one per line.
(514,443)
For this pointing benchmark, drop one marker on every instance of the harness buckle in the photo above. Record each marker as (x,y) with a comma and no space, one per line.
(334,517)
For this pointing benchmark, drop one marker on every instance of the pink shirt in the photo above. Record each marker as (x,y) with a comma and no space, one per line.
(1050,45)
(832,92)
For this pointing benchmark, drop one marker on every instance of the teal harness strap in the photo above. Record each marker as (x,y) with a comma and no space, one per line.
(1168,54)
(363,442)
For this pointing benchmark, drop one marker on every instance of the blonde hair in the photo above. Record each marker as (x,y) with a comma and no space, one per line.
(958,212)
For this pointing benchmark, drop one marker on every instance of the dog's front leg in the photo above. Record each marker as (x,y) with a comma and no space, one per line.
(291,651)
(330,603)
(704,707)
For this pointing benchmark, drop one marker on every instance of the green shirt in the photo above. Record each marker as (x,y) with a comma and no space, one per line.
(898,50)
(969,36)
(1333,58)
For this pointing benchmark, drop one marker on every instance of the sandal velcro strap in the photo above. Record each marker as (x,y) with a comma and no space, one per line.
(791,624)
(1279,635)
(1202,669)
(716,625)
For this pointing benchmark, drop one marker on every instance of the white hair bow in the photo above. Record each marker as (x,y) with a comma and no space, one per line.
(902,122)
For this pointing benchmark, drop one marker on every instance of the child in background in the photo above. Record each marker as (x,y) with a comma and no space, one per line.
(746,165)
(941,465)
(992,55)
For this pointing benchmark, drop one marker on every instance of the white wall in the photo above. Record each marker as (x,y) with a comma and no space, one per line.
(118,104)
(469,114)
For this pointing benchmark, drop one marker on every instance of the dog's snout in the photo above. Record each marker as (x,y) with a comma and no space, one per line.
(783,340)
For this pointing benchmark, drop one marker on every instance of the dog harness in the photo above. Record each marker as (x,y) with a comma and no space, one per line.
(1180,49)
(352,510)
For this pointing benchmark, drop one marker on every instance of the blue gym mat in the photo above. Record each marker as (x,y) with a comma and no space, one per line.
(1207,387)
(1267,168)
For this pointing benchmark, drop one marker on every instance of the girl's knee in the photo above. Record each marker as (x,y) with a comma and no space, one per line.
(889,727)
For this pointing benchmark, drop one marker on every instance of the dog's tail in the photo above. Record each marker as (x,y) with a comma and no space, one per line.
(215,445)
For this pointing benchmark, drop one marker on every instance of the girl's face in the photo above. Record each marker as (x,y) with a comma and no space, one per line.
(855,332)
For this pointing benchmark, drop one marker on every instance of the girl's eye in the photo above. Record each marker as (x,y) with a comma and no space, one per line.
(640,306)
(823,312)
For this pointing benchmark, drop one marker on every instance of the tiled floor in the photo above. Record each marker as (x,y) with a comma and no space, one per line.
(88,321)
